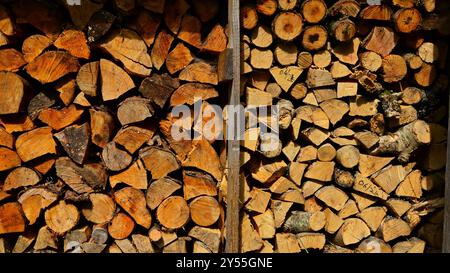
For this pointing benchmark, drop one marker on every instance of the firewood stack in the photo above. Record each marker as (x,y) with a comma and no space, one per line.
(362,94)
(88,161)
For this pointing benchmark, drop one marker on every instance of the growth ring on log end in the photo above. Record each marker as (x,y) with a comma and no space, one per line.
(287,25)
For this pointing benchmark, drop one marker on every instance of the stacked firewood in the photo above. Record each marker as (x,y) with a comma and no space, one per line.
(88,159)
(362,91)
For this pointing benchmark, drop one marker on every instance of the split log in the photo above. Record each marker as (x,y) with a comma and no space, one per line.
(160,190)
(314,37)
(345,7)
(413,245)
(133,110)
(314,10)
(259,200)
(58,119)
(319,78)
(159,162)
(367,139)
(62,217)
(373,216)
(23,242)
(20,177)
(135,176)
(344,30)
(333,222)
(381,40)
(334,109)
(304,221)
(332,197)
(34,200)
(287,243)
(392,228)
(304,60)
(363,106)
(249,17)
(81,179)
(394,68)
(373,245)
(196,184)
(261,59)
(204,210)
(115,159)
(350,208)
(165,86)
(286,54)
(340,70)
(405,141)
(376,12)
(371,61)
(146,25)
(190,31)
(262,37)
(178,58)
(200,150)
(411,186)
(286,76)
(75,140)
(13,94)
(99,23)
(389,178)
(121,123)
(348,156)
(12,60)
(129,48)
(311,240)
(322,171)
(161,48)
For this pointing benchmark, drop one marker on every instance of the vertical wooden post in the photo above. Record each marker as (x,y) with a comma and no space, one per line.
(233,193)
(446,229)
